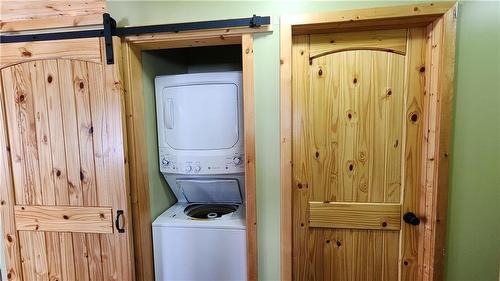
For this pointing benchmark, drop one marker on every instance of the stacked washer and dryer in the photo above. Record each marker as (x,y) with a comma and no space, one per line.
(200,138)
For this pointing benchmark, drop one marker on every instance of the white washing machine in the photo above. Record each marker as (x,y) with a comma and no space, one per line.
(190,248)
(203,236)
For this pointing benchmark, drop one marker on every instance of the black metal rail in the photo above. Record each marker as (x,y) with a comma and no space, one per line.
(110,29)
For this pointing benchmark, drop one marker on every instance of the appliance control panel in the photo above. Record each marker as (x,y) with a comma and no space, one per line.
(228,164)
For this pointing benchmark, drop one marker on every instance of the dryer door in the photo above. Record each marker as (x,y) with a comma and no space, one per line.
(201,116)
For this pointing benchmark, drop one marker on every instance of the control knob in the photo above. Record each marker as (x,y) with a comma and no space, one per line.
(237,160)
(164,161)
(189,168)
(197,169)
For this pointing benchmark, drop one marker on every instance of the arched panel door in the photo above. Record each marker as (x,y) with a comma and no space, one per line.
(64,175)
(357,102)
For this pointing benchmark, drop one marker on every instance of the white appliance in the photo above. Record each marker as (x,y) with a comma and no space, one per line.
(200,242)
(200,124)
(200,138)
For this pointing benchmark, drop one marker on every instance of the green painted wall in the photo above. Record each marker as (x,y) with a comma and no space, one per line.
(474,224)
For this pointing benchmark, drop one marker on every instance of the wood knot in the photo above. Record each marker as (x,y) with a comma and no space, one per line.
(362,156)
(389,92)
(302,224)
(415,9)
(21,97)
(332,41)
(405,262)
(351,167)
(301,53)
(422,69)
(355,80)
(338,243)
(82,176)
(65,217)
(414,117)
(363,186)
(316,154)
(81,85)
(320,72)
(247,51)
(327,241)
(49,79)
(25,53)
(349,115)
(101,216)
(58,173)
(384,224)
(396,143)
(299,185)
(9,238)
(91,130)
(2,202)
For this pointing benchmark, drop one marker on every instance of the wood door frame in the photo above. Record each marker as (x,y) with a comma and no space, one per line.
(134,104)
(436,148)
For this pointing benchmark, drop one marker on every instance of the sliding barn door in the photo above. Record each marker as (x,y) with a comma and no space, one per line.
(64,173)
(357,153)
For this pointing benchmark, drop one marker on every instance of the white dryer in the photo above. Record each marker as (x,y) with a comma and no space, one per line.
(200,138)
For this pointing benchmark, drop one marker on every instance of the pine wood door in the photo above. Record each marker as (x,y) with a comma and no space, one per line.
(65,205)
(357,100)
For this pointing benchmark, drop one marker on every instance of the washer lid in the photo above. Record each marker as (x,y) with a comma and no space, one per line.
(210,190)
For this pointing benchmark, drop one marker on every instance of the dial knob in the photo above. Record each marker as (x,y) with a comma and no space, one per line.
(189,168)
(237,160)
(197,169)
(164,161)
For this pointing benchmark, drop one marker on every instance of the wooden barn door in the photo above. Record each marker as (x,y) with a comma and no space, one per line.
(357,102)
(64,173)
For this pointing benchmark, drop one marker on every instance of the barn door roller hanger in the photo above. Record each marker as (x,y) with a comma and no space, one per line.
(109,30)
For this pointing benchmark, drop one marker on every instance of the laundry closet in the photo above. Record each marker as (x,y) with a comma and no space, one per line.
(194,129)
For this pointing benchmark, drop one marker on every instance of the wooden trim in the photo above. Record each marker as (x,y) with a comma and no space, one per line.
(286,148)
(86,49)
(134,103)
(401,13)
(446,77)
(194,35)
(373,19)
(186,43)
(64,219)
(7,201)
(31,15)
(249,140)
(384,216)
(138,162)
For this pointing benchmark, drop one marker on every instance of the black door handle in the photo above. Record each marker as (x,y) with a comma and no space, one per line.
(411,218)
(119,213)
